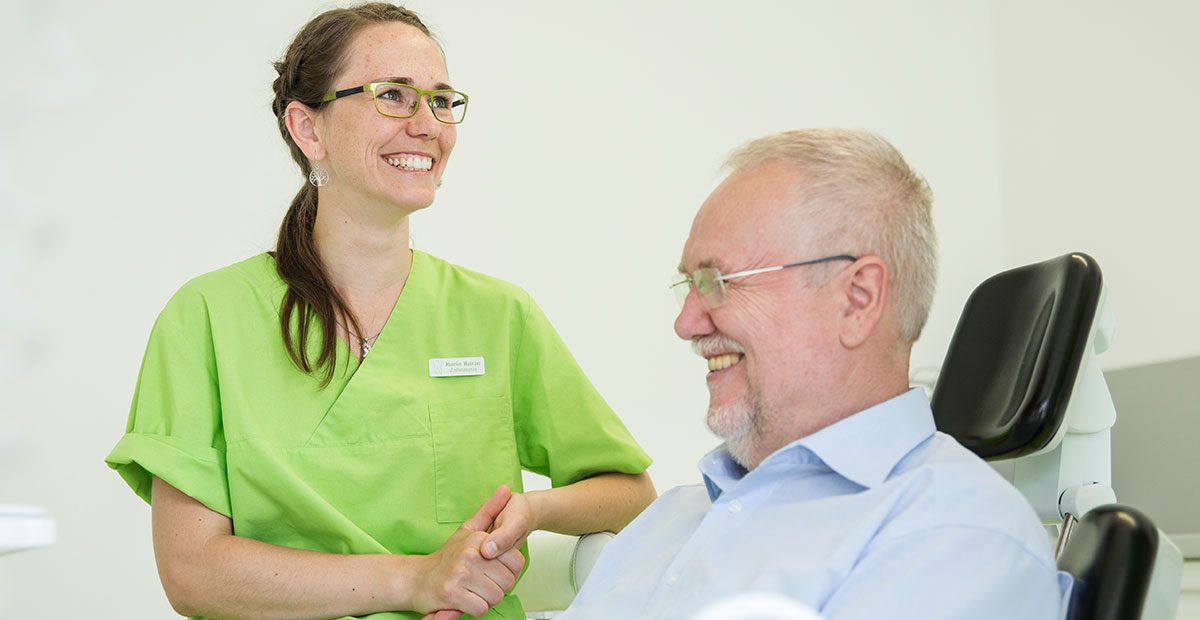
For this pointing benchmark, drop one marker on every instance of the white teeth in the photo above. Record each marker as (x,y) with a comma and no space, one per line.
(411,162)
(721,362)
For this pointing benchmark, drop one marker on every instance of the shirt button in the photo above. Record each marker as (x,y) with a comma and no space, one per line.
(735,506)
(672,580)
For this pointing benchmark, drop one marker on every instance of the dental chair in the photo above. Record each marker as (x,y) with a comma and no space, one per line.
(558,566)
(1020,381)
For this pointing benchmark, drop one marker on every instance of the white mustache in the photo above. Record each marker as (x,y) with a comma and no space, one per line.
(708,346)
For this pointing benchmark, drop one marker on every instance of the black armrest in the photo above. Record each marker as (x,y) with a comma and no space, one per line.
(1110,553)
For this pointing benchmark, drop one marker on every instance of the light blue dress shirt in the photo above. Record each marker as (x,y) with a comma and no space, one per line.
(878,516)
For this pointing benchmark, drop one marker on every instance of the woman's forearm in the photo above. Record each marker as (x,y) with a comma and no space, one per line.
(206,570)
(607,502)
(235,577)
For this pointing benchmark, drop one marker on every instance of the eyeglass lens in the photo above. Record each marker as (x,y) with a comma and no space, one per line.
(708,284)
(401,101)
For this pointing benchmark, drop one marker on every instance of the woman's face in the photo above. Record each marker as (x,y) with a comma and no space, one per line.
(379,159)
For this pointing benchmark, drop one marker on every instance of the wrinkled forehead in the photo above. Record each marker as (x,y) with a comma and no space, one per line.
(751,217)
(393,50)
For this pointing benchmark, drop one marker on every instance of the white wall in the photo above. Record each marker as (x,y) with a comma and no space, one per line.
(139,133)
(1099,152)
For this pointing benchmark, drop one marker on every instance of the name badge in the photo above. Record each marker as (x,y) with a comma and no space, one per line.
(456,366)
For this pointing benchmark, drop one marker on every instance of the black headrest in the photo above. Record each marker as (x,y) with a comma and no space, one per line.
(1111,554)
(1003,389)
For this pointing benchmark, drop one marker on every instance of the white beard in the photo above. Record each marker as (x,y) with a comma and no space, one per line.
(737,424)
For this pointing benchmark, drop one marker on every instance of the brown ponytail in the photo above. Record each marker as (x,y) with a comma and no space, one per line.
(306,72)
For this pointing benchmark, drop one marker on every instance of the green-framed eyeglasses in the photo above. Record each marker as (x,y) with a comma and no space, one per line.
(709,282)
(402,100)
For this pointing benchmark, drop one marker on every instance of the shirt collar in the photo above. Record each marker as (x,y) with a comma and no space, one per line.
(720,471)
(864,447)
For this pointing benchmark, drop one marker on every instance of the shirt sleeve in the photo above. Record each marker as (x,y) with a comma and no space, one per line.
(949,573)
(564,429)
(174,429)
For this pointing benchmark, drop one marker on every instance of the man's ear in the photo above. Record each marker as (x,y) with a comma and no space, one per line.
(866,290)
(302,124)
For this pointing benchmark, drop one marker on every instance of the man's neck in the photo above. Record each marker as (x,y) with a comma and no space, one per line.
(859,387)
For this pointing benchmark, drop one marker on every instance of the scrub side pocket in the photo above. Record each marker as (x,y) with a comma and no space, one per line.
(474,451)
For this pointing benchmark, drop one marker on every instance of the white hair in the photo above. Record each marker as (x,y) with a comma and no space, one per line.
(863,199)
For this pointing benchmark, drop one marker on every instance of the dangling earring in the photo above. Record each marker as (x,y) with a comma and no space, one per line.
(319,176)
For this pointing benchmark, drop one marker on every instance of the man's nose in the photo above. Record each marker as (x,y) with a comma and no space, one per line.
(693,320)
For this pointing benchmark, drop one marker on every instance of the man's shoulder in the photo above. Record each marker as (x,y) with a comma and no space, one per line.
(941,484)
(954,478)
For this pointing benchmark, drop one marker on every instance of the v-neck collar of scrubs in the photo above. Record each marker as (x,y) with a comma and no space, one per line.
(407,297)
(365,379)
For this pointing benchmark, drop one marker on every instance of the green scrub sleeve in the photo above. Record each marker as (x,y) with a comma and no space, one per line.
(174,428)
(564,429)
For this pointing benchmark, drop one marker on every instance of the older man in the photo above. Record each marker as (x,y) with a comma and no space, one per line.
(807,276)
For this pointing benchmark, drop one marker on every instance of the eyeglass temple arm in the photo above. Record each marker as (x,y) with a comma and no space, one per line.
(827,259)
(338,94)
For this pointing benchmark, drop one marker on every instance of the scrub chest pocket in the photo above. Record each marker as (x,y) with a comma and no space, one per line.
(474,451)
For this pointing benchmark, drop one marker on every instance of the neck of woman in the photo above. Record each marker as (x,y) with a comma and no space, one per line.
(364,254)
(367,259)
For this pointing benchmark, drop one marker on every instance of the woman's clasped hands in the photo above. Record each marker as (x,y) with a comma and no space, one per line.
(480,562)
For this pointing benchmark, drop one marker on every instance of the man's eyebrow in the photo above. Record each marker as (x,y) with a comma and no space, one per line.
(409,81)
(704,264)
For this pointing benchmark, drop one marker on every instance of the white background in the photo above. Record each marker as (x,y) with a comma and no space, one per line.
(137,151)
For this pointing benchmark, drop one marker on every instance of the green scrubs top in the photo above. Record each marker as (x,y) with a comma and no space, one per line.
(467,385)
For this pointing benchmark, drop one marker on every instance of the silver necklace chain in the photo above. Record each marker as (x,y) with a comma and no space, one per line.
(364,344)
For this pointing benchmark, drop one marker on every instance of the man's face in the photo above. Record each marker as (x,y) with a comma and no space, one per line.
(767,341)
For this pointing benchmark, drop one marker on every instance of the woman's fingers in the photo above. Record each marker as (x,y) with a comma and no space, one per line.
(464,581)
(485,517)
(513,560)
(512,526)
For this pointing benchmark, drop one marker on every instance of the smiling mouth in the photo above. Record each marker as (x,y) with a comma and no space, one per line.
(723,361)
(415,163)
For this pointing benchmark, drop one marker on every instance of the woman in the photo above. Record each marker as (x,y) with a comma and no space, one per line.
(320,429)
